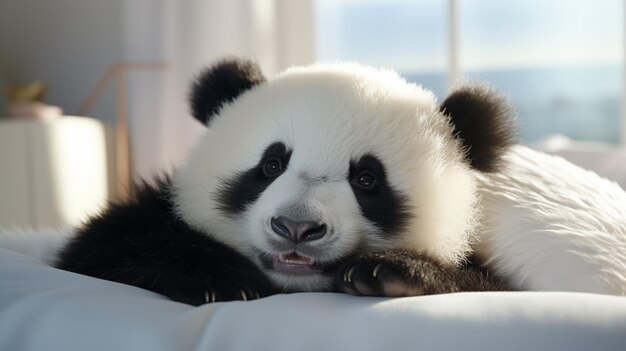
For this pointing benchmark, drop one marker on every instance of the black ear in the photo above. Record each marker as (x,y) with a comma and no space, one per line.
(220,84)
(484,121)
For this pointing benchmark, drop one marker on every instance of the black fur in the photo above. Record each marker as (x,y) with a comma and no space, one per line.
(244,188)
(382,205)
(143,243)
(407,273)
(220,84)
(484,121)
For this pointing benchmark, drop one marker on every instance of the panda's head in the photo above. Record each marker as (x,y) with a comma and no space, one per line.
(325,161)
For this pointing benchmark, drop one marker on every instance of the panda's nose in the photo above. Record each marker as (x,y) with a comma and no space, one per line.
(297,231)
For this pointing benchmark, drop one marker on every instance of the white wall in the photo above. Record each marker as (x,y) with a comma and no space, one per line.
(68,44)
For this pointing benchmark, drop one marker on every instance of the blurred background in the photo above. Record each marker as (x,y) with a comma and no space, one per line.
(124,66)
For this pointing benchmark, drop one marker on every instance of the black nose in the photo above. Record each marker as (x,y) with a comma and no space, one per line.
(298,231)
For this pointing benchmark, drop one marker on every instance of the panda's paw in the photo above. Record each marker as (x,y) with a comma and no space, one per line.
(378,275)
(231,293)
(394,273)
(200,294)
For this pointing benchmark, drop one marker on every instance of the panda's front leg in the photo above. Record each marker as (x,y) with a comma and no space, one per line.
(181,264)
(397,273)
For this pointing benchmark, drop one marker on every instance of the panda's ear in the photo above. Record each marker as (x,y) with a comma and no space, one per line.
(220,84)
(484,121)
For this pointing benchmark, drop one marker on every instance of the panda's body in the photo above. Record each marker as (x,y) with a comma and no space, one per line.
(550,225)
(341,178)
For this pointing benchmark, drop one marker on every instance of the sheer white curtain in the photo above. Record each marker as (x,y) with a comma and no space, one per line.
(189,35)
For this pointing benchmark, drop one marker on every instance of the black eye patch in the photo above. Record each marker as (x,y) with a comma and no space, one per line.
(379,203)
(245,187)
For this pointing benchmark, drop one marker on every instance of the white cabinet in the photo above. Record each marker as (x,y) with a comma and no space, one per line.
(52,173)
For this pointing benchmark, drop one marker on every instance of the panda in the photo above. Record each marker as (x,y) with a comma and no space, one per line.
(347,178)
(333,177)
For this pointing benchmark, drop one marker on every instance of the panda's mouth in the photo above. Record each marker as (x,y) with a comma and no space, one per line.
(292,263)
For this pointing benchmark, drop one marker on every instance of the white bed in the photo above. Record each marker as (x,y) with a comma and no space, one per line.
(42,308)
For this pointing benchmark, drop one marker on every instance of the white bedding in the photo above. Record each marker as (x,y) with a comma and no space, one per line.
(42,308)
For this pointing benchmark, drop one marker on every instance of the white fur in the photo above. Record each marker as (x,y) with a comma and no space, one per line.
(550,225)
(329,115)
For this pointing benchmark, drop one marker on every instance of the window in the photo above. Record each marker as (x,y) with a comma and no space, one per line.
(409,36)
(561,62)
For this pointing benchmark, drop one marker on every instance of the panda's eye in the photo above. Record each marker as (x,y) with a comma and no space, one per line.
(366,180)
(272,167)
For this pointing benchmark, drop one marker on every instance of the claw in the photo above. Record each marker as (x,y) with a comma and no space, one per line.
(209,296)
(348,275)
(376,269)
(244,297)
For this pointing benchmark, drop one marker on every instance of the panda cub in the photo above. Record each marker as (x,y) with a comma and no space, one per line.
(333,177)
(326,178)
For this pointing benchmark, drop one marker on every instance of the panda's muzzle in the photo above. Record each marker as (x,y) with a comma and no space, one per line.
(295,246)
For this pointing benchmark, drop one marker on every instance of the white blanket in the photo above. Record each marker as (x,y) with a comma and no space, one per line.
(42,308)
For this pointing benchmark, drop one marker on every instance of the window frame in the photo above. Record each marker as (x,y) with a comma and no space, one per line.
(453,70)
